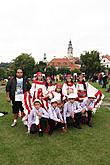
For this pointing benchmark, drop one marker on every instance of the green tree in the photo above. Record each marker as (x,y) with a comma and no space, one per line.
(42,65)
(63,70)
(25,62)
(90,63)
(76,71)
(50,70)
(2,73)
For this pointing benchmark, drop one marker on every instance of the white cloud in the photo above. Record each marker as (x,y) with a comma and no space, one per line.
(34,26)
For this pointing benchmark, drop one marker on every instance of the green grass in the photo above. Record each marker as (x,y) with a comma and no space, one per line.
(88,146)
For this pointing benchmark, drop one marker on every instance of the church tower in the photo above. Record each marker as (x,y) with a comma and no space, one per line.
(45,58)
(70,50)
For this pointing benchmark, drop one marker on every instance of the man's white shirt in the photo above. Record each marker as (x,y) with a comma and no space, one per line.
(19,90)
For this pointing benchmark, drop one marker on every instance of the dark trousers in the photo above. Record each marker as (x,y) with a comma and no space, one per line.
(42,125)
(54,125)
(87,119)
(89,116)
(16,106)
(76,121)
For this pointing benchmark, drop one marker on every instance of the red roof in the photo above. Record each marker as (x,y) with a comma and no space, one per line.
(106,56)
(75,66)
(64,62)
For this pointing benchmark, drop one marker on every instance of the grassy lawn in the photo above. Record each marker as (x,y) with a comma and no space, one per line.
(88,146)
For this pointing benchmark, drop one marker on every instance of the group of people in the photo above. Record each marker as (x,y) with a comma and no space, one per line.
(45,106)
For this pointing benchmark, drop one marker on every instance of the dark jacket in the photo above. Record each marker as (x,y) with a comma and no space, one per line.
(11,87)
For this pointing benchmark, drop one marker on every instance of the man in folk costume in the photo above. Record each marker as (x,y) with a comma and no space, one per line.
(88,106)
(72,112)
(68,86)
(99,96)
(38,89)
(55,117)
(37,119)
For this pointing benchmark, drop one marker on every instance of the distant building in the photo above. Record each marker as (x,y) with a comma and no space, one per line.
(70,50)
(106,61)
(45,58)
(66,62)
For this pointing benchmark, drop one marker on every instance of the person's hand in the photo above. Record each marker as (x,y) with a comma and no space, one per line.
(61,121)
(39,114)
(8,99)
(83,111)
(66,126)
(89,108)
(72,115)
(28,133)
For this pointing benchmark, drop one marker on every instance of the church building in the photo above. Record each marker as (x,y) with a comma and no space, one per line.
(66,62)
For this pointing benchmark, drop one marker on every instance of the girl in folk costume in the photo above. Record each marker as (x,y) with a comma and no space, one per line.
(57,94)
(68,86)
(38,89)
(83,88)
(49,85)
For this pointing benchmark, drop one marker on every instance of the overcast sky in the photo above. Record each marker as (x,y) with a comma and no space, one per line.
(46,26)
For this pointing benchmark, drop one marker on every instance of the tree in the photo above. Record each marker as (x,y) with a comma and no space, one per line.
(2,73)
(63,71)
(25,62)
(76,71)
(42,65)
(50,70)
(90,63)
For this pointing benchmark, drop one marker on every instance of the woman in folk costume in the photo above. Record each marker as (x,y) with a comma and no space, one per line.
(68,86)
(83,88)
(49,85)
(38,90)
(27,105)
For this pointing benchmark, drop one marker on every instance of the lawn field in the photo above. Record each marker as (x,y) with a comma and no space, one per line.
(88,146)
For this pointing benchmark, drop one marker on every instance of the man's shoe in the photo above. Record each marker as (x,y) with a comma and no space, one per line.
(40,133)
(50,132)
(90,125)
(63,130)
(77,126)
(13,124)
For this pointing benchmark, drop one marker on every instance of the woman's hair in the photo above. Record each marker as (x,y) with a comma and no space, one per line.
(46,83)
(70,81)
(60,93)
(84,84)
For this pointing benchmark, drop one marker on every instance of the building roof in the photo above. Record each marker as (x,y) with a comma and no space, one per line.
(106,56)
(75,66)
(64,62)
